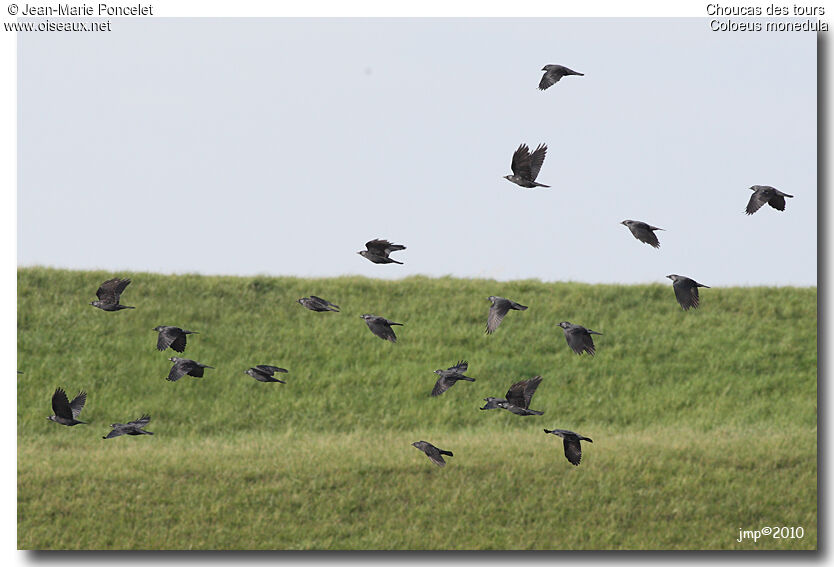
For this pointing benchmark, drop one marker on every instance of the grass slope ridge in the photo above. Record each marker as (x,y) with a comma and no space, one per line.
(696,417)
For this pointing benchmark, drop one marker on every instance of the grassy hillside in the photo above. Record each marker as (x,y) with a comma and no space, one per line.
(704,422)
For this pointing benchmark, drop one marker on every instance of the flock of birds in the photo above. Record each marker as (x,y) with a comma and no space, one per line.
(525,166)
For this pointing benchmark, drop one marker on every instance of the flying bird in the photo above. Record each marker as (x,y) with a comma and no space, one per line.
(109,293)
(765,194)
(432,452)
(183,366)
(173,337)
(381,327)
(526,166)
(573,450)
(265,373)
(65,411)
(552,74)
(643,232)
(449,376)
(378,251)
(499,308)
(130,428)
(579,338)
(314,303)
(518,398)
(686,290)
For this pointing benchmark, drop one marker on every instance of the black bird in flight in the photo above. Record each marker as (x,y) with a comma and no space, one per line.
(108,295)
(579,338)
(765,194)
(173,337)
(552,74)
(526,166)
(378,251)
(381,327)
(183,366)
(265,373)
(518,398)
(643,232)
(686,290)
(314,303)
(432,452)
(65,411)
(499,308)
(449,376)
(573,450)
(130,428)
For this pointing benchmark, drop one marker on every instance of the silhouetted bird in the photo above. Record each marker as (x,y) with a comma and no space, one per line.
(381,327)
(432,452)
(643,232)
(314,303)
(765,194)
(499,308)
(183,366)
(686,290)
(518,398)
(265,372)
(579,338)
(449,376)
(173,337)
(108,295)
(130,428)
(378,250)
(552,74)
(573,450)
(526,166)
(65,411)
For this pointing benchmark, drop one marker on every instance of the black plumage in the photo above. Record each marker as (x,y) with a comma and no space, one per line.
(66,412)
(378,251)
(765,194)
(518,398)
(643,232)
(381,327)
(573,449)
(109,294)
(432,452)
(449,376)
(265,373)
(183,366)
(130,428)
(314,303)
(526,166)
(579,338)
(553,73)
(686,291)
(173,337)
(499,308)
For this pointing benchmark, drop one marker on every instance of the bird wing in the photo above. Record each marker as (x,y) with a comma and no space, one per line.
(643,233)
(757,199)
(323,302)
(110,290)
(434,454)
(579,340)
(777,202)
(500,307)
(460,367)
(442,385)
(549,79)
(522,392)
(178,344)
(195,369)
(141,422)
(60,404)
(118,430)
(687,293)
(521,162)
(381,328)
(270,370)
(536,161)
(178,370)
(573,450)
(382,247)
(166,336)
(77,403)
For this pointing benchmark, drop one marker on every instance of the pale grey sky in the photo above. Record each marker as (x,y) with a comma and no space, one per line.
(280,146)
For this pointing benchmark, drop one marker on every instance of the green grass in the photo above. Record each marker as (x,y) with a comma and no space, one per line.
(704,422)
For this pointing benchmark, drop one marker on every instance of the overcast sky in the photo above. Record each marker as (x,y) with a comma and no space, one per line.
(280,146)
